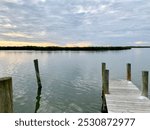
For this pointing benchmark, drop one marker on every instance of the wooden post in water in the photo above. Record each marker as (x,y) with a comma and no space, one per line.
(104,105)
(129,72)
(103,74)
(145,83)
(6,95)
(38,97)
(103,68)
(105,87)
(106,82)
(37,73)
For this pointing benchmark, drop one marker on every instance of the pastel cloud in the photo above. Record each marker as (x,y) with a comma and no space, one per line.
(141,42)
(79,9)
(17,35)
(11,1)
(115,22)
(8,25)
(79,44)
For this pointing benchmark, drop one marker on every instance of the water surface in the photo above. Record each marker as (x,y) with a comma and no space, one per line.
(71,80)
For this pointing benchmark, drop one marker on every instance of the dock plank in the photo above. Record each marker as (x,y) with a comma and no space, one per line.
(125,97)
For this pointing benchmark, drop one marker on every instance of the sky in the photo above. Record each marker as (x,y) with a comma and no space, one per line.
(75,22)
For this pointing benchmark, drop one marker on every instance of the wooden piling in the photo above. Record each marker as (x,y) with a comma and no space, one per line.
(145,83)
(106,82)
(103,73)
(104,104)
(129,72)
(37,73)
(103,69)
(6,95)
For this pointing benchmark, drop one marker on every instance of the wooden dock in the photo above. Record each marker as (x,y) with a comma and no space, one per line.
(122,96)
(125,97)
(118,96)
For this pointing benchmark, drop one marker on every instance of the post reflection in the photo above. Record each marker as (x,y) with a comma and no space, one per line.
(38,98)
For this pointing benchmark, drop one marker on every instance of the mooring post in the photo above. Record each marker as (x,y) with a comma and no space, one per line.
(104,104)
(129,72)
(106,82)
(37,73)
(105,88)
(145,83)
(6,95)
(103,74)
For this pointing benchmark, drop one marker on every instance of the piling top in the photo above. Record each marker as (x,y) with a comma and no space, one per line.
(5,78)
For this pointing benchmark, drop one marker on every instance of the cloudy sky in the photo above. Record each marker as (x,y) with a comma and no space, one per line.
(65,22)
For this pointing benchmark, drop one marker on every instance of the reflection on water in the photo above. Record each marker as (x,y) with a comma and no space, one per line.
(38,97)
(71,81)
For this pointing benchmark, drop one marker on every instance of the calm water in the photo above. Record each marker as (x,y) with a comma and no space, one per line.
(71,80)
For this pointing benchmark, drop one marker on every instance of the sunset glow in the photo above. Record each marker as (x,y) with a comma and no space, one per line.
(13,43)
(19,44)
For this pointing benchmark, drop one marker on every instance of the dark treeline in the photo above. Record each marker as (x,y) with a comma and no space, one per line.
(54,48)
(140,46)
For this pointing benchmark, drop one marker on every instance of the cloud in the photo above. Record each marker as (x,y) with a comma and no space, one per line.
(4,19)
(8,26)
(79,9)
(40,34)
(141,42)
(37,1)
(117,34)
(61,21)
(79,44)
(12,1)
(15,35)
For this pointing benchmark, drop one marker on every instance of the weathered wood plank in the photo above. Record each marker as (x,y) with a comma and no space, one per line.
(6,95)
(125,97)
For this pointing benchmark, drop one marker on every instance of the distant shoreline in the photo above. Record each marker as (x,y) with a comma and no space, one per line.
(139,46)
(55,48)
